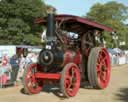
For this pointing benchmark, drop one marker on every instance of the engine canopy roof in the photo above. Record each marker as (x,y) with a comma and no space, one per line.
(75,24)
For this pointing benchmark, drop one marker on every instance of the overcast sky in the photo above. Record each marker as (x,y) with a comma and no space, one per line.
(77,7)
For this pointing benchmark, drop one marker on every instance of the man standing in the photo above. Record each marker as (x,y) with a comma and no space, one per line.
(21,67)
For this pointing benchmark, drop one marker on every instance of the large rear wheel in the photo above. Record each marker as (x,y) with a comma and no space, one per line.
(30,83)
(99,68)
(70,80)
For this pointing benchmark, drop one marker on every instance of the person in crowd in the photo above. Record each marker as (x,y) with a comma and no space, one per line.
(126,58)
(21,67)
(117,58)
(4,60)
(34,57)
(5,69)
(28,58)
(31,58)
(15,67)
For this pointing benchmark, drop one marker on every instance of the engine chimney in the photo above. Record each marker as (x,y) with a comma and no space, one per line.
(50,27)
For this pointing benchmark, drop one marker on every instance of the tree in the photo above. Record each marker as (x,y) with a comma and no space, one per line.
(17,21)
(111,14)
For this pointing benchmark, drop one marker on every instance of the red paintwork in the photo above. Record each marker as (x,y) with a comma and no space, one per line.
(3,79)
(69,71)
(30,80)
(71,79)
(48,75)
(103,68)
(71,56)
(78,57)
(78,23)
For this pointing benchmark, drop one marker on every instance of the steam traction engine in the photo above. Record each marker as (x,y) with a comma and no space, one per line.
(73,52)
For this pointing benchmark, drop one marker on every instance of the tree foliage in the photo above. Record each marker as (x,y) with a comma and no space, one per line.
(111,14)
(17,21)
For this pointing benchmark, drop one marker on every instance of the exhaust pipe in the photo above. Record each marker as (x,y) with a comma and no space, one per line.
(50,28)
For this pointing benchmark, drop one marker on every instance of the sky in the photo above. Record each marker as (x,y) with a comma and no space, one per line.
(77,7)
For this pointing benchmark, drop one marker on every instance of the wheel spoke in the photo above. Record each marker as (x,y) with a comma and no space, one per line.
(33,79)
(73,72)
(67,83)
(103,77)
(104,61)
(98,68)
(100,56)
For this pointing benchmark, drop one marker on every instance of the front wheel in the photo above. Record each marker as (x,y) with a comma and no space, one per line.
(70,80)
(99,68)
(30,83)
